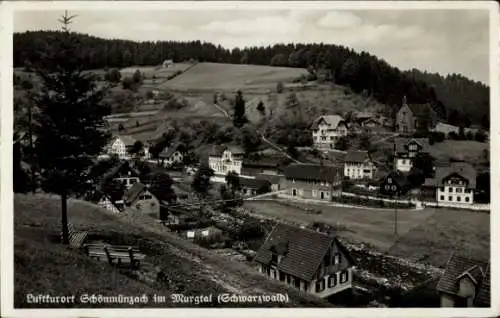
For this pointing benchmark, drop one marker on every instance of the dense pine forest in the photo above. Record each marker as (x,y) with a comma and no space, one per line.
(455,98)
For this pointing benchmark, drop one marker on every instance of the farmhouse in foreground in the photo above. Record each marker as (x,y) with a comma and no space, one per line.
(312,181)
(465,283)
(307,260)
(327,130)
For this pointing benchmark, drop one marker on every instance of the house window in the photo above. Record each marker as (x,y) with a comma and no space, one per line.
(389,180)
(459,199)
(138,206)
(320,285)
(441,198)
(393,188)
(344,277)
(450,198)
(459,190)
(450,189)
(332,280)
(294,192)
(466,199)
(336,258)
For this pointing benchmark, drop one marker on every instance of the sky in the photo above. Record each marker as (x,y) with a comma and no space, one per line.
(442,41)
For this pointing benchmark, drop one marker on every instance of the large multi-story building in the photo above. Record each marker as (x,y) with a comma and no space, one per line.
(327,130)
(120,145)
(313,181)
(307,260)
(358,165)
(224,159)
(454,184)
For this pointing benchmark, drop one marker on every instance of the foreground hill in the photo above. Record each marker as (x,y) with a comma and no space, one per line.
(42,265)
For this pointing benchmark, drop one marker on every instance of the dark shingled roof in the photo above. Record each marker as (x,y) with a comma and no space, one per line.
(357,156)
(399,177)
(315,172)
(331,120)
(483,297)
(273,179)
(167,152)
(123,165)
(134,191)
(457,267)
(303,250)
(129,141)
(401,143)
(267,162)
(253,183)
(460,168)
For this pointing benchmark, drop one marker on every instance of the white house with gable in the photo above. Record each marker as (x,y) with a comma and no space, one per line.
(327,130)
(224,159)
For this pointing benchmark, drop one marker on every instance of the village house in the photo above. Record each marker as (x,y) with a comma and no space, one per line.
(171,156)
(454,184)
(268,168)
(309,261)
(107,201)
(415,118)
(250,186)
(395,183)
(358,165)
(120,146)
(124,173)
(274,180)
(406,149)
(313,181)
(139,198)
(168,63)
(224,159)
(327,130)
(465,283)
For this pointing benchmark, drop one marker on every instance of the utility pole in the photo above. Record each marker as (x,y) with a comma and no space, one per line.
(396,216)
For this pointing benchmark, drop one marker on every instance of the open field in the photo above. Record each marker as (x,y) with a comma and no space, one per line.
(466,150)
(45,266)
(427,235)
(160,72)
(219,76)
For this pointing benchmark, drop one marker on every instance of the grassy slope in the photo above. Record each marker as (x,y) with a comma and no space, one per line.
(191,269)
(428,235)
(219,76)
(466,150)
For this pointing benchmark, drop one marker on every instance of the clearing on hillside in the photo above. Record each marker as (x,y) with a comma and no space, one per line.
(219,76)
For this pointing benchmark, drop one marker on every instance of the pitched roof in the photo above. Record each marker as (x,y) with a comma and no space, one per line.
(217,150)
(306,171)
(357,156)
(169,151)
(305,250)
(363,115)
(273,179)
(267,161)
(461,168)
(483,297)
(114,170)
(457,267)
(398,176)
(127,140)
(253,183)
(331,120)
(97,195)
(401,143)
(422,109)
(134,191)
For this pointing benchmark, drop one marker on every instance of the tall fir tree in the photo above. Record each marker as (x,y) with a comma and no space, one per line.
(239,117)
(69,125)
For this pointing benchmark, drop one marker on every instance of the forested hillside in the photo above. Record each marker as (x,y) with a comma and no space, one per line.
(454,97)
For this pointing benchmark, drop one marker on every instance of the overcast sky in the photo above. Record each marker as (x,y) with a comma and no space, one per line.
(443,41)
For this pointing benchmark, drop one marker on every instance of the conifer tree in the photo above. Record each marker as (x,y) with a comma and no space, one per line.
(69,125)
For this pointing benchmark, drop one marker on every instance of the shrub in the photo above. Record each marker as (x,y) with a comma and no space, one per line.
(480,136)
(279,87)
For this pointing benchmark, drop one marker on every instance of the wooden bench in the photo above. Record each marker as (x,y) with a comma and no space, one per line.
(76,238)
(116,255)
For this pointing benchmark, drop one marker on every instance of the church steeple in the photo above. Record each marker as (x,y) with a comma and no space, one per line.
(404,100)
